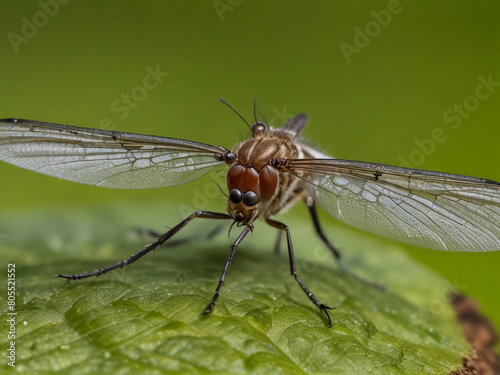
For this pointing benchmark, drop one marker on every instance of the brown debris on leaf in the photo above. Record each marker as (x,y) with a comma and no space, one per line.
(481,335)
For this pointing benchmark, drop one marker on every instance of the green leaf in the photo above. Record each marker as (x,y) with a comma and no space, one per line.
(147,317)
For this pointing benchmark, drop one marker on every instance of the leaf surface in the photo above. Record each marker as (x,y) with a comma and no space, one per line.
(147,317)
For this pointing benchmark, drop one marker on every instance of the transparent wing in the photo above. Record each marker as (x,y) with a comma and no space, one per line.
(104,158)
(423,208)
(295,125)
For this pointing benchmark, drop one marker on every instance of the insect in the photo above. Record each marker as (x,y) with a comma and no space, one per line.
(268,173)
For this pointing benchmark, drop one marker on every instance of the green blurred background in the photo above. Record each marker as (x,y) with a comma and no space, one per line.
(375,104)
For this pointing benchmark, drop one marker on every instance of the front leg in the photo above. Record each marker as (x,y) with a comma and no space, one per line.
(161,239)
(211,306)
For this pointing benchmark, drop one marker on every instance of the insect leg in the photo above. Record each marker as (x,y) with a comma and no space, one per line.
(311,205)
(211,306)
(161,239)
(319,230)
(323,308)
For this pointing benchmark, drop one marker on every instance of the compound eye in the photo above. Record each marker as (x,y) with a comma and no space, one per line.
(235,196)
(250,199)
(259,128)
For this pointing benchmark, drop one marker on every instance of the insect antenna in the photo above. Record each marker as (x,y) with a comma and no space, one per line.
(222,191)
(255,109)
(234,110)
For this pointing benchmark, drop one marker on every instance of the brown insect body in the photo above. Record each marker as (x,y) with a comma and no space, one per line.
(253,172)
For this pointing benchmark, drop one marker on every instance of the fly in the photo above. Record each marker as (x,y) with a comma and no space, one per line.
(268,173)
